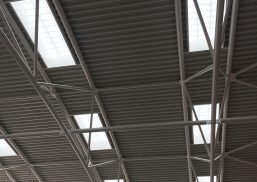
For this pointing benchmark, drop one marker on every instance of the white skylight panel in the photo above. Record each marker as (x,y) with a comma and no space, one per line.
(51,43)
(206,178)
(114,180)
(203,112)
(197,39)
(99,140)
(5,149)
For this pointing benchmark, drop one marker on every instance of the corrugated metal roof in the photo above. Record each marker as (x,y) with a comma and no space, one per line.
(130,43)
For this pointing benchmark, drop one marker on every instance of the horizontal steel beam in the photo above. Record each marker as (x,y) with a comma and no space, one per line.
(130,127)
(100,163)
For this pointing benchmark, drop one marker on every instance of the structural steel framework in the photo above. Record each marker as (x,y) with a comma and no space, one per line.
(73,134)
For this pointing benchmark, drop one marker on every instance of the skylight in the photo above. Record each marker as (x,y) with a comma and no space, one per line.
(203,112)
(197,39)
(114,180)
(99,140)
(206,178)
(5,149)
(51,44)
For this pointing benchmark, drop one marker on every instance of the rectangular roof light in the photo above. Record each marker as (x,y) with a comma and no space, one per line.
(206,178)
(5,149)
(99,140)
(51,43)
(203,112)
(197,39)
(114,180)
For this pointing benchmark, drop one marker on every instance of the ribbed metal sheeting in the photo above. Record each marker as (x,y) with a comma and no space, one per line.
(129,43)
(160,170)
(243,98)
(77,102)
(20,173)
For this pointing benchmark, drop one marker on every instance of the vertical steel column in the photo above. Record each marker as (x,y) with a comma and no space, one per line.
(83,64)
(215,81)
(227,82)
(182,78)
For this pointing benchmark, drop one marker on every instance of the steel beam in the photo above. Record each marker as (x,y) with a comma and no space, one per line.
(182,78)
(245,83)
(196,118)
(207,37)
(225,21)
(241,148)
(135,127)
(228,82)
(36,39)
(246,69)
(215,79)
(83,64)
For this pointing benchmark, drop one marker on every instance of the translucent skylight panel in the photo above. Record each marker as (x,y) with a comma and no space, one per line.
(203,112)
(51,43)
(5,149)
(197,39)
(99,140)
(206,178)
(114,180)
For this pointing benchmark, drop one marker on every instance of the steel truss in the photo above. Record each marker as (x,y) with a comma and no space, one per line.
(215,54)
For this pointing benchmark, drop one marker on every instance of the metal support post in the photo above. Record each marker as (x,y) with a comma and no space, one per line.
(228,82)
(215,79)
(182,77)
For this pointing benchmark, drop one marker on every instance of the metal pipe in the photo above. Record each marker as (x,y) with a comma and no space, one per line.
(228,82)
(207,37)
(246,69)
(36,39)
(245,83)
(82,61)
(182,78)
(196,117)
(131,127)
(225,21)
(241,161)
(241,148)
(215,79)
(44,98)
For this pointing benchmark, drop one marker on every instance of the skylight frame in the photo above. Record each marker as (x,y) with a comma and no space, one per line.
(205,178)
(114,180)
(52,44)
(83,121)
(200,110)
(196,37)
(6,149)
